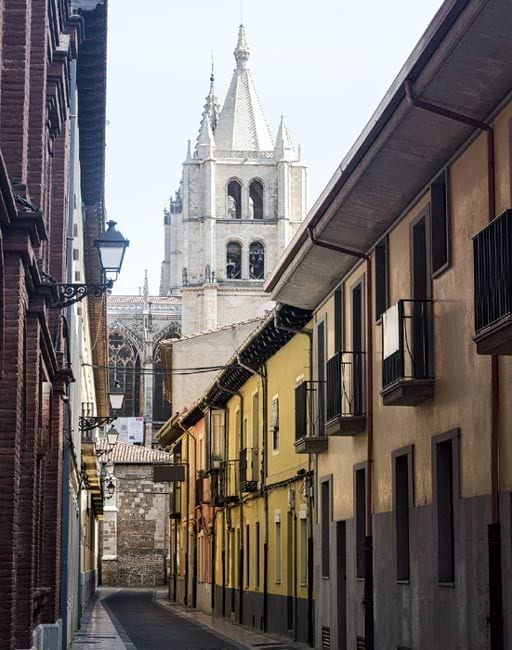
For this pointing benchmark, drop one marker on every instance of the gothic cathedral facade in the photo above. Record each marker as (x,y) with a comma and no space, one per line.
(241,199)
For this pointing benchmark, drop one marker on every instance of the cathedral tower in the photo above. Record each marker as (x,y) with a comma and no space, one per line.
(240,201)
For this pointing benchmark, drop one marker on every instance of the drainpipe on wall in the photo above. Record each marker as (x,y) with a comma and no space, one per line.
(495,617)
(310,549)
(368,540)
(238,394)
(263,477)
(187,546)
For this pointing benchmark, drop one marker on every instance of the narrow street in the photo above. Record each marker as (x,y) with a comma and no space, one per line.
(150,627)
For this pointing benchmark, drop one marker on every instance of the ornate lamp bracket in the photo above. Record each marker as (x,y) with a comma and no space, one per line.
(88,424)
(68,294)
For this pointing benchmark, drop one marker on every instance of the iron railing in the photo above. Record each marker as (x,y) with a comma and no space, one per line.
(407,342)
(199,490)
(346,385)
(307,421)
(229,479)
(492,250)
(248,469)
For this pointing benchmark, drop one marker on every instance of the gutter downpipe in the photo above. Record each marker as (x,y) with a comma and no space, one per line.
(194,566)
(238,394)
(368,540)
(310,549)
(495,617)
(263,478)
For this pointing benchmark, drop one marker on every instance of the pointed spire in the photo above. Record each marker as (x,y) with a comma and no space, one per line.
(242,123)
(206,139)
(242,51)
(284,149)
(146,288)
(189,150)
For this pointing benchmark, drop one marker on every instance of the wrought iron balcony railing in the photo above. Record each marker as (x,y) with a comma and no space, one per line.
(229,481)
(309,439)
(407,353)
(249,468)
(492,251)
(346,404)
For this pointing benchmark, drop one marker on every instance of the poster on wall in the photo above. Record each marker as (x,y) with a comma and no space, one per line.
(131,430)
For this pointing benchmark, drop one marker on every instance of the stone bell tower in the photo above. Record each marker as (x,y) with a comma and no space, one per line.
(241,198)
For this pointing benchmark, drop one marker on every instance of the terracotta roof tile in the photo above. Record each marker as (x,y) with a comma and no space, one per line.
(127,453)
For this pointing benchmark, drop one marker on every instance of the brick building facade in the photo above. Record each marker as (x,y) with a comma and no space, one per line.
(135,530)
(40,46)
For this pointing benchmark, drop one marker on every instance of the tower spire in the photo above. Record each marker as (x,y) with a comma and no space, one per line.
(242,51)
(211,112)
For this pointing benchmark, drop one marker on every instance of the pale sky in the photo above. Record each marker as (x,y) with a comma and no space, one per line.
(323,64)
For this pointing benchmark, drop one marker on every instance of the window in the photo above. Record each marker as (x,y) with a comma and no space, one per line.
(243,443)
(256,199)
(439,212)
(444,483)
(325,526)
(217,432)
(124,357)
(402,471)
(234,200)
(255,420)
(320,371)
(277,531)
(238,429)
(274,423)
(338,319)
(381,278)
(360,495)
(256,261)
(358,345)
(247,555)
(233,261)
(257,559)
(303,535)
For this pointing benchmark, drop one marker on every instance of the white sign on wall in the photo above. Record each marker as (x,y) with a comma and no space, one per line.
(130,429)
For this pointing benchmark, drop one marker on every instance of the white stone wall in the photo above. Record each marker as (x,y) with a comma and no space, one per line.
(210,348)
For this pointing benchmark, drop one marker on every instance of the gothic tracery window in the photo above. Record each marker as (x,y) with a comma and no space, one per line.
(161,405)
(256,261)
(256,199)
(233,261)
(234,200)
(124,366)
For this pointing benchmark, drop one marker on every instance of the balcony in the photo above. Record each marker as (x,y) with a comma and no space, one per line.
(200,492)
(229,482)
(407,374)
(346,409)
(492,253)
(307,440)
(249,470)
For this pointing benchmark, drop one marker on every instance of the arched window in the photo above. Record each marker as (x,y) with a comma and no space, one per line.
(161,406)
(233,261)
(256,199)
(124,361)
(256,261)
(234,200)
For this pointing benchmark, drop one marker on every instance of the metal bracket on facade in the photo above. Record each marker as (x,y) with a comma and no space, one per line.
(88,424)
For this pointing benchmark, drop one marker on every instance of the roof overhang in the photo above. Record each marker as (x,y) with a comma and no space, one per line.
(463,62)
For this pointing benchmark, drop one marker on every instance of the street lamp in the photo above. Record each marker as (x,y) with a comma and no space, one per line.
(112,437)
(111,246)
(110,489)
(116,397)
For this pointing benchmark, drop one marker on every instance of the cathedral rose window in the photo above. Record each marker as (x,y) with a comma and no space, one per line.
(256,261)
(256,199)
(233,261)
(234,200)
